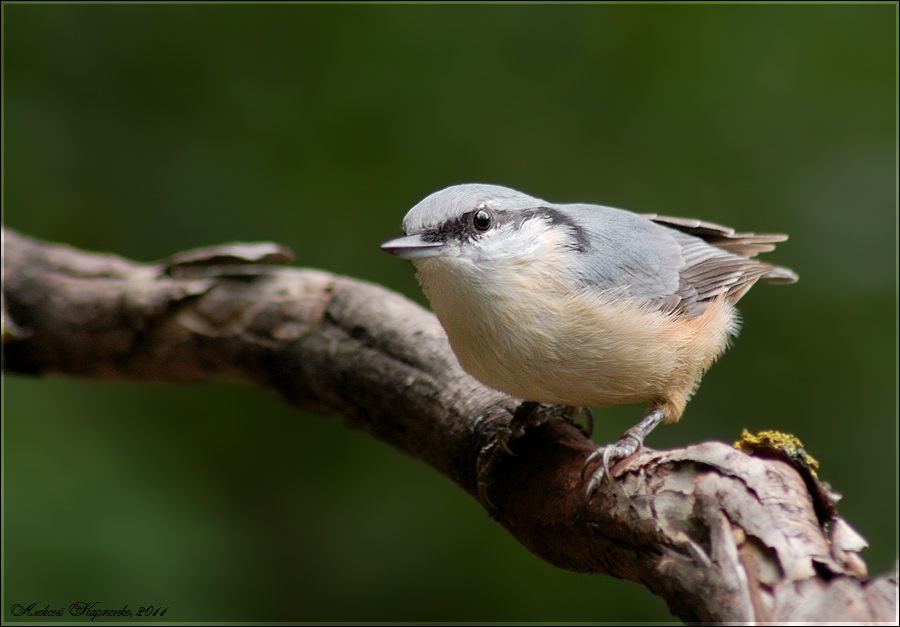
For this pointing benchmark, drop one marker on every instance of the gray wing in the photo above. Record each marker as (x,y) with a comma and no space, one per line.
(717,261)
(679,265)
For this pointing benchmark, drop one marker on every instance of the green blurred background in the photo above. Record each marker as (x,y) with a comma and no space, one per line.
(148,129)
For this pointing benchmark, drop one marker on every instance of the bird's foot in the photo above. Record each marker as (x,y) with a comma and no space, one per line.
(609,455)
(527,416)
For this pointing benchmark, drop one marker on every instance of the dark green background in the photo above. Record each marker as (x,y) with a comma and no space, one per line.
(148,129)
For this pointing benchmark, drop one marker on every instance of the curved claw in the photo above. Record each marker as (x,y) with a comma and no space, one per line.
(609,456)
(528,415)
(483,494)
(503,445)
(589,415)
(525,416)
(629,444)
(597,452)
(594,483)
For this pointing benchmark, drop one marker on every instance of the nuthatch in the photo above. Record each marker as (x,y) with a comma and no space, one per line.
(582,305)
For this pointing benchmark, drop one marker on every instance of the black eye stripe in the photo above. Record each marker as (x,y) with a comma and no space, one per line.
(465,226)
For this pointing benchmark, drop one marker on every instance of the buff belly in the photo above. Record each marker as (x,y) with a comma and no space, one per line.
(578,349)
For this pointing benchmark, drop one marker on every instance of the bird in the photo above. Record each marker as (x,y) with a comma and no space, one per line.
(582,305)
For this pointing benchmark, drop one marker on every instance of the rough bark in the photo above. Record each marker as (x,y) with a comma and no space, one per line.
(721,535)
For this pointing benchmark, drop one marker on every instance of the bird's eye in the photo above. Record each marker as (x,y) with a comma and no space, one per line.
(482,220)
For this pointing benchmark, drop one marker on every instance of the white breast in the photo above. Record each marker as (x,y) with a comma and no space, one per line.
(517,327)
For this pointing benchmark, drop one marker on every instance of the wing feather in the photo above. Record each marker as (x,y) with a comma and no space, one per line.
(718,261)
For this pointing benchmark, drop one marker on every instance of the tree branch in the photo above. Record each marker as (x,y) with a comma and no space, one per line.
(719,534)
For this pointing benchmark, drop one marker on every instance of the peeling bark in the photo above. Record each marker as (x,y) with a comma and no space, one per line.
(721,535)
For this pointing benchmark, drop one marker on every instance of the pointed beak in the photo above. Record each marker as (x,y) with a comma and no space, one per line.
(412,247)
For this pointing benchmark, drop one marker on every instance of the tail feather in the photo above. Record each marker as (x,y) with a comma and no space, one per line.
(779,275)
(743,244)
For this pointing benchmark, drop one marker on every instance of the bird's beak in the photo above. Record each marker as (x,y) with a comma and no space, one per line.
(412,247)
